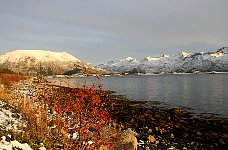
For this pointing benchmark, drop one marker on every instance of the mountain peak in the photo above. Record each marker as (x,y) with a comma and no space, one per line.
(223,50)
(128,59)
(184,54)
(182,62)
(44,62)
(39,55)
(165,56)
(149,58)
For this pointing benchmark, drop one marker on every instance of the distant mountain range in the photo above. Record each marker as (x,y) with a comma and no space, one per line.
(180,63)
(32,62)
(43,62)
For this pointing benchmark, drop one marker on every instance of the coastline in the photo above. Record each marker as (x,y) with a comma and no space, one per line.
(170,127)
(161,128)
(175,127)
(139,74)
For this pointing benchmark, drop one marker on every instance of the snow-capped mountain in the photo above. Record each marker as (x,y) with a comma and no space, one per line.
(44,62)
(183,62)
(124,65)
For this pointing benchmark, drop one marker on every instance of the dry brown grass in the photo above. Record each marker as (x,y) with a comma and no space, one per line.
(39,128)
(9,79)
(3,94)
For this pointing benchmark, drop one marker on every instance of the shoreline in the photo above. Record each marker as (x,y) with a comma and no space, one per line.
(172,127)
(164,128)
(139,74)
(196,92)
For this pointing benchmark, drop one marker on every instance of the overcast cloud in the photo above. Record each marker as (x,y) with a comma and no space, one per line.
(97,31)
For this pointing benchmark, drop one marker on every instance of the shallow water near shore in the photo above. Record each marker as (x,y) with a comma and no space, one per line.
(205,94)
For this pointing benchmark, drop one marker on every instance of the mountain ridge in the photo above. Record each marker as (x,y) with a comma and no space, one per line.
(181,63)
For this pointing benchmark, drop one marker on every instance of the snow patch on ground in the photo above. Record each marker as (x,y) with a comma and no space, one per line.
(9,120)
(13,145)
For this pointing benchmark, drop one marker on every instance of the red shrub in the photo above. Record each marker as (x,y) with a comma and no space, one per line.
(83,112)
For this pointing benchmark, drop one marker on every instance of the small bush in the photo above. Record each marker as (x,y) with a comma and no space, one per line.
(70,118)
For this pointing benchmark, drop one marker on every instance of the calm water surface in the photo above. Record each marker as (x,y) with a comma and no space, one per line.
(206,93)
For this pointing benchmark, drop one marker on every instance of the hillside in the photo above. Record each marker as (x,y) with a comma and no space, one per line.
(31,62)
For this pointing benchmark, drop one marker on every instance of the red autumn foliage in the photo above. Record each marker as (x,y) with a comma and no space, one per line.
(9,79)
(58,108)
(76,107)
(83,112)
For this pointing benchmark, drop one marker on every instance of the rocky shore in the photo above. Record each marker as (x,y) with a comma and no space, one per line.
(164,128)
(157,127)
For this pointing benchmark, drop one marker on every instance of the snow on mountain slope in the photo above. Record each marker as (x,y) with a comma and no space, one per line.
(43,62)
(40,55)
(122,65)
(182,62)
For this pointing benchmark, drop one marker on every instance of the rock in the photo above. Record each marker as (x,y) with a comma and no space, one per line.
(175,111)
(199,134)
(151,117)
(147,148)
(185,130)
(162,130)
(128,140)
(213,134)
(150,131)
(157,142)
(172,148)
(151,139)
(222,142)
(156,128)
(224,135)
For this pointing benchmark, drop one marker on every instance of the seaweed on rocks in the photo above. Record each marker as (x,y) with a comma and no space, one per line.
(165,128)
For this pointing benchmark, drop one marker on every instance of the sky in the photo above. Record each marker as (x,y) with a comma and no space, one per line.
(97,31)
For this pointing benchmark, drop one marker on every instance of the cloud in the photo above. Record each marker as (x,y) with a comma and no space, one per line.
(100,29)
